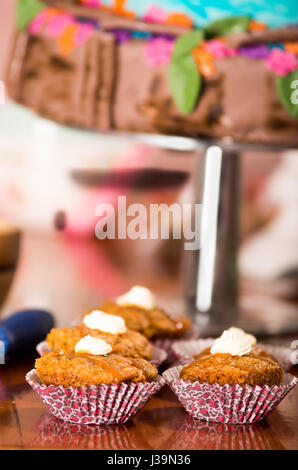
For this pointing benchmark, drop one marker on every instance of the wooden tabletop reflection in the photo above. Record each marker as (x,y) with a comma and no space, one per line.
(25,423)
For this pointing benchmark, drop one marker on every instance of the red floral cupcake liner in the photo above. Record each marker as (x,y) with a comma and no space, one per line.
(166,344)
(227,404)
(102,404)
(185,351)
(158,355)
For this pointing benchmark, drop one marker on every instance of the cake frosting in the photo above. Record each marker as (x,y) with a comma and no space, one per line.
(274,13)
(233,341)
(138,296)
(91,345)
(99,320)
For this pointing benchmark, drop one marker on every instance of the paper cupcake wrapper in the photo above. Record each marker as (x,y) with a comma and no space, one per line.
(227,404)
(166,344)
(158,355)
(43,348)
(102,404)
(185,351)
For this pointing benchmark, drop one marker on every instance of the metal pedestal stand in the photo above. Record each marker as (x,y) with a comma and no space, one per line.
(211,280)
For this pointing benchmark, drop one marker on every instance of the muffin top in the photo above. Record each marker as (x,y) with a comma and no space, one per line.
(139,310)
(245,364)
(78,369)
(129,344)
(223,369)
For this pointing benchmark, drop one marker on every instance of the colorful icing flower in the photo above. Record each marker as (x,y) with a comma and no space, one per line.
(219,49)
(140,35)
(281,62)
(155,14)
(204,60)
(179,19)
(38,22)
(119,8)
(255,51)
(121,35)
(66,41)
(292,47)
(276,46)
(83,33)
(91,3)
(57,24)
(158,51)
(256,26)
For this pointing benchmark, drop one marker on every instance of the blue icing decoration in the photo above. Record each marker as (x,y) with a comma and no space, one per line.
(140,35)
(272,12)
(276,46)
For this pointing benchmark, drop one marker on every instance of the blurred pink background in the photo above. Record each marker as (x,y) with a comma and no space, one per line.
(47,170)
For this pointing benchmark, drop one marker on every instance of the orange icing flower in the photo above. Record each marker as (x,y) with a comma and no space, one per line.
(256,26)
(204,60)
(66,41)
(119,9)
(179,19)
(221,39)
(292,47)
(50,12)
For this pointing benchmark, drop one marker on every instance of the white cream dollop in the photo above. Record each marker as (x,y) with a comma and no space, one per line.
(138,296)
(94,346)
(99,320)
(233,341)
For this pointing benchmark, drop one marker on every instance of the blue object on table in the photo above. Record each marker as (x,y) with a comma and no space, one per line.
(23,330)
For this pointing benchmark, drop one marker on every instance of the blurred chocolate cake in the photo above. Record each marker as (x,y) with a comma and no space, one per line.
(219,72)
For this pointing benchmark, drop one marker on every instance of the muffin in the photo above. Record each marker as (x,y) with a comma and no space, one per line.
(92,385)
(232,380)
(234,359)
(129,344)
(251,369)
(139,310)
(75,370)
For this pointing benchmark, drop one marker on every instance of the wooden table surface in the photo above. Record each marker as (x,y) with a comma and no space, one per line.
(162,424)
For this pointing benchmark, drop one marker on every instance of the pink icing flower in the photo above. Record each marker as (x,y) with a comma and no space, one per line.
(155,14)
(57,24)
(158,51)
(91,3)
(38,22)
(83,33)
(281,62)
(219,49)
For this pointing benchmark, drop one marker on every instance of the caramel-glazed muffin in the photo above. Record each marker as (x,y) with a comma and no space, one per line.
(83,370)
(128,344)
(257,351)
(151,323)
(251,369)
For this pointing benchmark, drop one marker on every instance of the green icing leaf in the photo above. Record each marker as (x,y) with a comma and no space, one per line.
(235,24)
(287,88)
(187,42)
(185,82)
(26,11)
